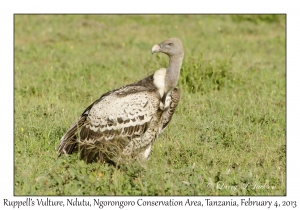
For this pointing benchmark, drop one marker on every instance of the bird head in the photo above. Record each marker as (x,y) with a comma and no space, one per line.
(171,46)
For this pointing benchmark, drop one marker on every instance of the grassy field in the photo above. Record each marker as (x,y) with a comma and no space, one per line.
(227,137)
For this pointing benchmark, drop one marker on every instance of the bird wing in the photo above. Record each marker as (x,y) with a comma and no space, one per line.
(125,112)
(169,111)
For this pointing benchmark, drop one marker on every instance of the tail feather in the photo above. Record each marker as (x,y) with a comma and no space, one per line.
(68,142)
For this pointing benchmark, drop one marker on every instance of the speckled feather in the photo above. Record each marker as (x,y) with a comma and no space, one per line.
(123,122)
(128,118)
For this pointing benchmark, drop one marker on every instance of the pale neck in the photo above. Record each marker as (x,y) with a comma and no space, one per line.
(173,71)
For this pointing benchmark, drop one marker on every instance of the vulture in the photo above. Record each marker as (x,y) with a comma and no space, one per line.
(125,122)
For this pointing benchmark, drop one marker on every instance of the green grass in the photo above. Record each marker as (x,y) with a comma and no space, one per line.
(229,130)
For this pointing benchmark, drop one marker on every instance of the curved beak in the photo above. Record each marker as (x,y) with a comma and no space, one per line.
(155,48)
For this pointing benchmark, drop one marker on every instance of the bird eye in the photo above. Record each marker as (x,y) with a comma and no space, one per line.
(170,44)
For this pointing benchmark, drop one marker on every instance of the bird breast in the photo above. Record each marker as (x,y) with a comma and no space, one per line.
(159,80)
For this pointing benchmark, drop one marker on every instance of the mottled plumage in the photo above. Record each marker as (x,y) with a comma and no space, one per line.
(126,121)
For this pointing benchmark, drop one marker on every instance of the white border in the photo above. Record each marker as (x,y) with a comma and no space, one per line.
(8,8)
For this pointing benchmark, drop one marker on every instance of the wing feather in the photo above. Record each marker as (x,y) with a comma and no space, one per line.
(114,117)
(168,113)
